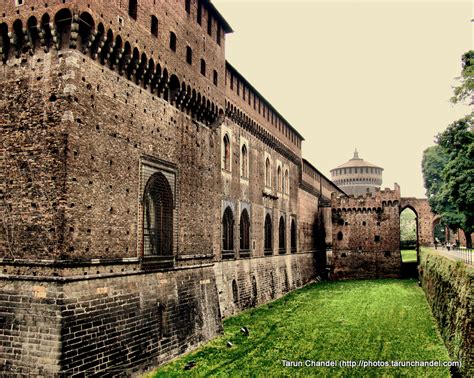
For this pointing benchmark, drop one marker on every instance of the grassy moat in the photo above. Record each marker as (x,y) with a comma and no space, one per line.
(376,321)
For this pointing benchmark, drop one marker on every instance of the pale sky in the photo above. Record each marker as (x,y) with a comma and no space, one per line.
(376,75)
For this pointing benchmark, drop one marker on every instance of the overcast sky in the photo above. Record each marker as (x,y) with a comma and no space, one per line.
(376,75)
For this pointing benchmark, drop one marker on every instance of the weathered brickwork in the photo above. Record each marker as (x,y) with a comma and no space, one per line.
(366,235)
(96,101)
(425,218)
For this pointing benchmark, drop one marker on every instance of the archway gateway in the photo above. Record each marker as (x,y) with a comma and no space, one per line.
(409,240)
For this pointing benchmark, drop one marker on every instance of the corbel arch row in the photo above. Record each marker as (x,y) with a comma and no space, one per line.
(79,31)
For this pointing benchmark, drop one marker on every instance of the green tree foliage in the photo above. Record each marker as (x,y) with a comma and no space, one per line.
(407,225)
(466,88)
(448,171)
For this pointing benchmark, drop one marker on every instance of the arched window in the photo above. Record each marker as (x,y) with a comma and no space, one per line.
(133,9)
(154,26)
(226,156)
(173,41)
(228,230)
(244,231)
(281,236)
(293,235)
(339,235)
(268,234)
(279,179)
(244,163)
(268,179)
(189,55)
(286,182)
(158,216)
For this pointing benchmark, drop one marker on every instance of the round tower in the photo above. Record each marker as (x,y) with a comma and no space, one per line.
(357,176)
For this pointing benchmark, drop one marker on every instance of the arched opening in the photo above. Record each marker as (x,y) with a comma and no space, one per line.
(226,154)
(286,183)
(439,232)
(228,233)
(268,180)
(281,236)
(173,41)
(293,236)
(32,25)
(279,179)
(268,235)
(174,88)
(63,20)
(154,26)
(340,236)
(409,235)
(86,25)
(244,234)
(105,51)
(4,42)
(158,217)
(18,37)
(46,32)
(244,163)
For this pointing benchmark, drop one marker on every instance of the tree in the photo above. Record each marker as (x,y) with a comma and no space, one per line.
(466,88)
(448,171)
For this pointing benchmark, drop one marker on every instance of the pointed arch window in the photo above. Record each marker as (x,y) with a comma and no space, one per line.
(281,236)
(244,233)
(268,179)
(268,235)
(293,236)
(226,153)
(286,182)
(228,233)
(245,163)
(279,179)
(158,216)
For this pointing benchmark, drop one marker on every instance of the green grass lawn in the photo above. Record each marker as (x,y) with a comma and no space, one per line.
(408,255)
(382,320)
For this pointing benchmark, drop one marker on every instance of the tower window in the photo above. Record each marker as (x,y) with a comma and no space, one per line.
(226,157)
(154,26)
(133,9)
(188,6)
(199,12)
(244,154)
(189,55)
(218,35)
(173,41)
(203,67)
(215,78)
(293,235)
(281,235)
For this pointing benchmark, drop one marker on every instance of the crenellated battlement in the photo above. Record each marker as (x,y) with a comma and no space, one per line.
(159,56)
(369,202)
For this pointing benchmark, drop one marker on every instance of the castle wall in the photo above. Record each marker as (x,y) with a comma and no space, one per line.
(366,236)
(425,218)
(260,280)
(106,323)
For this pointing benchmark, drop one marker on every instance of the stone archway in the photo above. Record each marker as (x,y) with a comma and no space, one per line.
(426,218)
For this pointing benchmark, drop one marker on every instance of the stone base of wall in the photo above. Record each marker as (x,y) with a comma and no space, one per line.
(246,283)
(448,286)
(121,322)
(365,265)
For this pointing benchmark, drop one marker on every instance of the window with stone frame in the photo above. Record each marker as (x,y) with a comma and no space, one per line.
(293,241)
(286,182)
(244,232)
(279,179)
(244,162)
(228,233)
(282,236)
(268,237)
(268,173)
(226,153)
(158,216)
